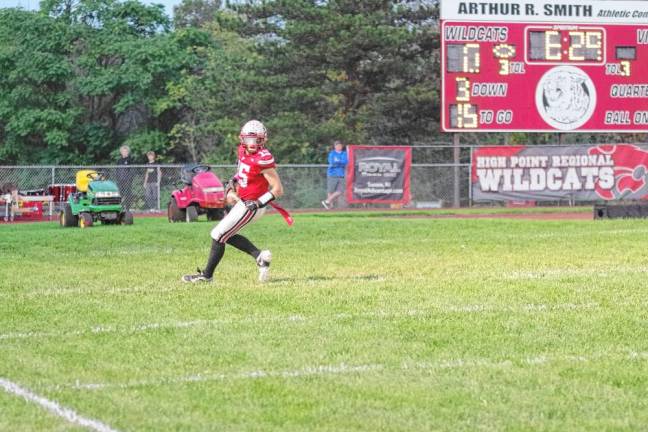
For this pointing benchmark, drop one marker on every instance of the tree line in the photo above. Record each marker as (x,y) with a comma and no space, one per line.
(80,78)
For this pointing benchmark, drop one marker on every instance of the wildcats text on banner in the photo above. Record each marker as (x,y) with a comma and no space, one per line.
(550,173)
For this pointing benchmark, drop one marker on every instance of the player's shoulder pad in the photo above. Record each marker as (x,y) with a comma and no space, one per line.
(265,158)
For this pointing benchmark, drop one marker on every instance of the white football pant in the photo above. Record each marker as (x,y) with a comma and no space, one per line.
(234,221)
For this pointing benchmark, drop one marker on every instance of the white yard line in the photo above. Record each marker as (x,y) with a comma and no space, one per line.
(546,273)
(51,292)
(55,408)
(63,291)
(377,314)
(347,369)
(320,370)
(558,273)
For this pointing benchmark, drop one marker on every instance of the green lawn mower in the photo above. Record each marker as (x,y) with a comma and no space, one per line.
(96,199)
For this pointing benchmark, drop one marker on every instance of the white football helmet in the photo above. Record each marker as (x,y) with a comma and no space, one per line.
(253,136)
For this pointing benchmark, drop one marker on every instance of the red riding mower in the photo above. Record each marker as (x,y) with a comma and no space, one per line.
(202,193)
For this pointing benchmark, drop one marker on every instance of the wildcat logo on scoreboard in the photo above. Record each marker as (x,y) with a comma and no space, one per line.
(565,97)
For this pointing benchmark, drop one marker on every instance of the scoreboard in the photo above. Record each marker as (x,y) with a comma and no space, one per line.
(544,66)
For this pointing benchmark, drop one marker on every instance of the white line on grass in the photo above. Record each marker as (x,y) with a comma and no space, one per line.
(557,273)
(377,314)
(346,369)
(321,370)
(547,273)
(53,407)
(561,234)
(101,291)
(59,291)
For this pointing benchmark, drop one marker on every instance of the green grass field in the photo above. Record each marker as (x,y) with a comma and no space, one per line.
(371,322)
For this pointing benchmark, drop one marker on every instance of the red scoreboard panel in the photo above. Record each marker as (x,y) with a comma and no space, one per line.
(544,66)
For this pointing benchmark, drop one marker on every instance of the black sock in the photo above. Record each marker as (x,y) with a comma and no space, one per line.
(243,244)
(215,255)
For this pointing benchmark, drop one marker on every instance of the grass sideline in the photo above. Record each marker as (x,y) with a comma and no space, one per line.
(368,324)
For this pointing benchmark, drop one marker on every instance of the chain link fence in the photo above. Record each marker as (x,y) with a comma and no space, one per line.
(440,177)
(437,182)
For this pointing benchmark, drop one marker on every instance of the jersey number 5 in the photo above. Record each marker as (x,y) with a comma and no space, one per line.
(243,171)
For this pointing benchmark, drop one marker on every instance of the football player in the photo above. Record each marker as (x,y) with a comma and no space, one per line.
(254,186)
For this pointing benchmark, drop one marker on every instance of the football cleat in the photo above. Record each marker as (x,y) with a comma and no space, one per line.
(193,278)
(326,205)
(263,261)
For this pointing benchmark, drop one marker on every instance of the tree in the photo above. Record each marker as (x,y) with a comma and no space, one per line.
(37,114)
(84,76)
(123,56)
(195,13)
(190,99)
(360,71)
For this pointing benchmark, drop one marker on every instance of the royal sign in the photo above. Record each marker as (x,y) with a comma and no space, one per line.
(379,174)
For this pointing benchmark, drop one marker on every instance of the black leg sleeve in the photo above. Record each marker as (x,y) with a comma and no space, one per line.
(243,244)
(215,255)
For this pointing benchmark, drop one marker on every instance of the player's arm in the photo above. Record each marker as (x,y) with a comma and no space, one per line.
(231,197)
(275,190)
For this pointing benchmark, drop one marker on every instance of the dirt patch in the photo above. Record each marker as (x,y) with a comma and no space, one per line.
(527,216)
(55,218)
(398,214)
(444,214)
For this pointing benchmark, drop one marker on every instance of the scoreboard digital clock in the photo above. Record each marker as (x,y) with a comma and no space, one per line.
(544,66)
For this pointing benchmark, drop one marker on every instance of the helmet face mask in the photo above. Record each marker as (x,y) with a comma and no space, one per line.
(253,136)
(251,143)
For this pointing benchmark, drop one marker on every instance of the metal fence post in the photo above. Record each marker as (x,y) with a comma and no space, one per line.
(456,160)
(53,175)
(159,181)
(470,199)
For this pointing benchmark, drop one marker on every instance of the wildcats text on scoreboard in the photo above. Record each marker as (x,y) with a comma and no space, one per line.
(476,33)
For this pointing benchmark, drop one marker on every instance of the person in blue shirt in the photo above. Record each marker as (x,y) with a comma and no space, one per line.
(337,162)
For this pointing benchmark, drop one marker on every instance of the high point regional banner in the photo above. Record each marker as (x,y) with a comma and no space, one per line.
(378,174)
(540,173)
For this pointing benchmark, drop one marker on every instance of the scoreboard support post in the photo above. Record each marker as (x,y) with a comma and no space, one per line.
(456,157)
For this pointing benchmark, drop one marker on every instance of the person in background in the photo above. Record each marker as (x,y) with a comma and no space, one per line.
(125,176)
(11,191)
(337,161)
(151,182)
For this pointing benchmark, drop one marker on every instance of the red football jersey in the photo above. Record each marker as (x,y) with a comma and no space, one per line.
(251,182)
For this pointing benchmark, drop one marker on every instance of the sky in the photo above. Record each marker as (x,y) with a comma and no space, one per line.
(33,4)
